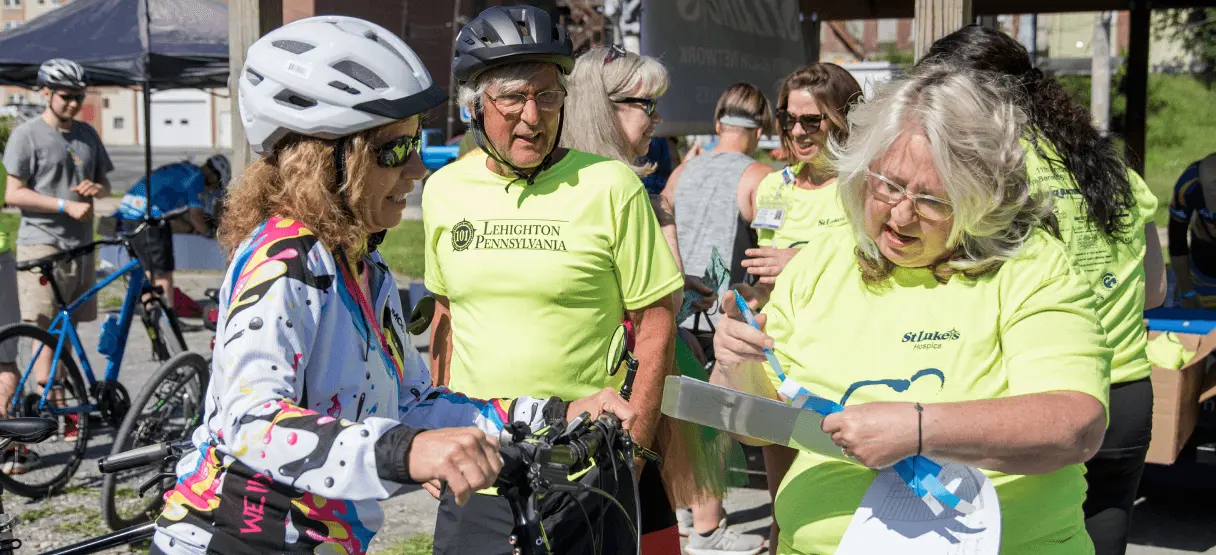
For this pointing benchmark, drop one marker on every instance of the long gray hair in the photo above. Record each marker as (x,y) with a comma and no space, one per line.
(973,132)
(591,124)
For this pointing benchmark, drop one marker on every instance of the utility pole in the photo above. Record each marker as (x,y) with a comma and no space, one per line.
(248,20)
(452,76)
(1099,103)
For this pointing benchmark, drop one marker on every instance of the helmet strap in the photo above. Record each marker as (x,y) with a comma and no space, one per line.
(483,142)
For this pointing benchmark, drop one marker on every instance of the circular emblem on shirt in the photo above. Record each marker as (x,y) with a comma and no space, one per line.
(462,235)
(1109,281)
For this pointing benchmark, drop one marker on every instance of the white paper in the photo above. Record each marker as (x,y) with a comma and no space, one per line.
(892,519)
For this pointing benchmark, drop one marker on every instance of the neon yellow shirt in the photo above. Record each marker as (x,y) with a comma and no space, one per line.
(1113,268)
(806,211)
(539,276)
(8,225)
(1029,327)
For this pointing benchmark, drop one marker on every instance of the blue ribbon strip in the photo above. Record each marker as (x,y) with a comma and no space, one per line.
(918,472)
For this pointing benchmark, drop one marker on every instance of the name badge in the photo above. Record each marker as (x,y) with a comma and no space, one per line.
(769,218)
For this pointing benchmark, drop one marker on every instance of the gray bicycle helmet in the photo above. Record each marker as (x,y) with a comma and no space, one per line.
(504,35)
(61,73)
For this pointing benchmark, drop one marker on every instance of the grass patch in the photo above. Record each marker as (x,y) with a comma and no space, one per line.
(34,515)
(125,493)
(403,249)
(421,544)
(89,526)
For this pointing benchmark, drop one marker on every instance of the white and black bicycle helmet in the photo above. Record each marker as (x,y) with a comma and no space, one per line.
(329,77)
(61,73)
(504,35)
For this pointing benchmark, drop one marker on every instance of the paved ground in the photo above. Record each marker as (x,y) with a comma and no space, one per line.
(1175,516)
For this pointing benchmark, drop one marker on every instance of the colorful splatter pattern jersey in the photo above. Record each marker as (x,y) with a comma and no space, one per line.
(301,389)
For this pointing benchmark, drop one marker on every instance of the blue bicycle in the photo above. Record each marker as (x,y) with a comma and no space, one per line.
(37,470)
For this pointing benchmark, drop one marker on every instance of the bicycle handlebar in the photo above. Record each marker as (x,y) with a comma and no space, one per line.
(142,456)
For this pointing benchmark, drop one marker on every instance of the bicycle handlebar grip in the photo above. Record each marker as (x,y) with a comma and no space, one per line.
(135,458)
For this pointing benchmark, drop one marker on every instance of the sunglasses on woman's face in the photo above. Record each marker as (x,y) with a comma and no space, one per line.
(647,104)
(397,152)
(810,122)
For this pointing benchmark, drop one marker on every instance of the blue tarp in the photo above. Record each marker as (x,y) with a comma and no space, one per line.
(189,43)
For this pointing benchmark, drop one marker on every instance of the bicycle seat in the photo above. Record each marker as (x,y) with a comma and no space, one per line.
(60,256)
(27,430)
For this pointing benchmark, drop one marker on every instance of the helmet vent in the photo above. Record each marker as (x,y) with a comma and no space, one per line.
(292,99)
(293,46)
(360,73)
(343,87)
(254,77)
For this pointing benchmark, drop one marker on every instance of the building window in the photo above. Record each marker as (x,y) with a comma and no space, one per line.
(119,123)
(12,3)
(185,121)
(105,102)
(16,99)
(10,25)
(168,122)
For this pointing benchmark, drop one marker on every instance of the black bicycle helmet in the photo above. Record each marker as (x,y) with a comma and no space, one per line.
(504,35)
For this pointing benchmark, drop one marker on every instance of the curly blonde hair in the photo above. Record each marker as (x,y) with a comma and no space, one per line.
(972,128)
(297,180)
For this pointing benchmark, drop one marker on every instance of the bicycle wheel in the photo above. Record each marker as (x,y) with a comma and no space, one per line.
(163,329)
(37,470)
(168,409)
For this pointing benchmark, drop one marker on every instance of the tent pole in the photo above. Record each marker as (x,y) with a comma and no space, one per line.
(147,151)
(146,23)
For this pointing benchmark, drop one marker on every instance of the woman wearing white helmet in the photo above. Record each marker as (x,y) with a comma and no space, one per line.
(318,401)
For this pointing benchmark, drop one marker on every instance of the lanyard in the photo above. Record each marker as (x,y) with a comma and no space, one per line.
(369,315)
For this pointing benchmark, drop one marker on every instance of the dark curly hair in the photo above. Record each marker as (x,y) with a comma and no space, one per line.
(1089,156)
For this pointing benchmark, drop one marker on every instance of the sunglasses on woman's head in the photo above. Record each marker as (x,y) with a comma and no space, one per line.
(614,52)
(397,152)
(810,122)
(648,104)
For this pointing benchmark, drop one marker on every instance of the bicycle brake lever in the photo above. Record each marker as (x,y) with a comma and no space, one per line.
(577,424)
(154,481)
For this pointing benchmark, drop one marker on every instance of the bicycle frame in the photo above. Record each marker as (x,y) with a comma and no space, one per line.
(62,328)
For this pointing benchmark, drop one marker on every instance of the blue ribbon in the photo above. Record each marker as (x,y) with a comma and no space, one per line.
(918,472)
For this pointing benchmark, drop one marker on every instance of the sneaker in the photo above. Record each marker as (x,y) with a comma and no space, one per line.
(71,428)
(17,460)
(684,521)
(723,541)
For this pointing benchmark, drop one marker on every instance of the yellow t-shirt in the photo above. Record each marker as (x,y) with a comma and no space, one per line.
(539,276)
(1113,268)
(805,211)
(1029,327)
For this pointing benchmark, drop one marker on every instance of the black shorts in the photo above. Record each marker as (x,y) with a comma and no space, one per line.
(154,246)
(482,526)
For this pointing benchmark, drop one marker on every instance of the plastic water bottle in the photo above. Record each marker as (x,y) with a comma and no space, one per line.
(108,342)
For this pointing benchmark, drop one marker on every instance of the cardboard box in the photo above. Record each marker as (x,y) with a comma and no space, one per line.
(1177,395)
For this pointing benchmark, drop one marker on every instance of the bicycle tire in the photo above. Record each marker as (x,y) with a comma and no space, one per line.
(69,374)
(185,374)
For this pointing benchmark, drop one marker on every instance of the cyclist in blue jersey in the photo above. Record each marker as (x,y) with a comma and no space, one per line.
(1191,205)
(174,187)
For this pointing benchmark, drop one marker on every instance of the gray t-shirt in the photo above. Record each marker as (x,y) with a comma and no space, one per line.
(52,162)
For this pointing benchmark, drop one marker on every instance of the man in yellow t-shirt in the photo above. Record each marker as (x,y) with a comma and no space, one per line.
(537,254)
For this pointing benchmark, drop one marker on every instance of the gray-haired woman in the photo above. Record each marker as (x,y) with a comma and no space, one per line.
(943,318)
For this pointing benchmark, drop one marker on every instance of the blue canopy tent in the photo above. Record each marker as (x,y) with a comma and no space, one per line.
(155,44)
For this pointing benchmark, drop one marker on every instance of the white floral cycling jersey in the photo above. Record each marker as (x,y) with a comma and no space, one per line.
(307,376)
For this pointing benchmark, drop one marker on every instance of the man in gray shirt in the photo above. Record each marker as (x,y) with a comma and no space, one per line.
(56,166)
